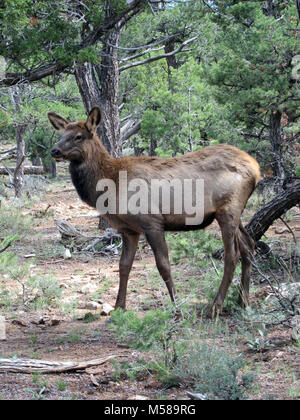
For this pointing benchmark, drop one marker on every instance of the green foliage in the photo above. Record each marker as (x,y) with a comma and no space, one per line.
(178,357)
(48,291)
(13,223)
(89,317)
(129,371)
(73,337)
(192,245)
(141,333)
(36,291)
(259,343)
(61,385)
(39,143)
(211,371)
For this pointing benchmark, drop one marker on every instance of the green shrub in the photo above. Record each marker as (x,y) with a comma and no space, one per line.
(13,222)
(47,291)
(209,370)
(129,371)
(141,333)
(192,245)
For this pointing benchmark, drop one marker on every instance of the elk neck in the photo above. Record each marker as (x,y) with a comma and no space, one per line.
(97,164)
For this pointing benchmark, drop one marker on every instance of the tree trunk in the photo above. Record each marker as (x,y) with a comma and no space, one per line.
(20,128)
(49,167)
(272,8)
(276,144)
(99,85)
(276,208)
(108,74)
(19,170)
(153,146)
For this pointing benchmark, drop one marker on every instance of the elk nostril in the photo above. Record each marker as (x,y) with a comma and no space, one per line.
(55,153)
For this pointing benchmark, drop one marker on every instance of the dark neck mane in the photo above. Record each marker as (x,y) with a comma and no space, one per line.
(97,164)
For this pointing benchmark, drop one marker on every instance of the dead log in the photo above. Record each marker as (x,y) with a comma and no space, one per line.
(28,170)
(72,238)
(45,366)
(8,156)
(266,216)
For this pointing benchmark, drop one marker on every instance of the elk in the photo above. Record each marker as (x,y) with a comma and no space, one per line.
(229,174)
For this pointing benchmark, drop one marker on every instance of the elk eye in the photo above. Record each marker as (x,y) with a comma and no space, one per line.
(79,137)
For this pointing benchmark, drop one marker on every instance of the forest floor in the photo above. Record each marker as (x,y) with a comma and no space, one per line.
(273,359)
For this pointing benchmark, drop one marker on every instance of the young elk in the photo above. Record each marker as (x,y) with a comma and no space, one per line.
(229,175)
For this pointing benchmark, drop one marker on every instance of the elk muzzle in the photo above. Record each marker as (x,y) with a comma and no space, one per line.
(57,154)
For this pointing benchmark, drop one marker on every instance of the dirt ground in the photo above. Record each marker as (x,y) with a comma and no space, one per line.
(278,369)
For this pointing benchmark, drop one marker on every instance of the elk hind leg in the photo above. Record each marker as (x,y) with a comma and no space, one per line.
(231,256)
(246,244)
(159,246)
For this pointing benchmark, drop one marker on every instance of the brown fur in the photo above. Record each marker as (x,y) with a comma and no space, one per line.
(230,176)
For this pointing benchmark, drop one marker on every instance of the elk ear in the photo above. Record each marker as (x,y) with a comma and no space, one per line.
(94,119)
(58,122)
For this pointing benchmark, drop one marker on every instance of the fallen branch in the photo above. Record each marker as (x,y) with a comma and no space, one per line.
(28,170)
(5,248)
(72,238)
(44,366)
(9,155)
(272,211)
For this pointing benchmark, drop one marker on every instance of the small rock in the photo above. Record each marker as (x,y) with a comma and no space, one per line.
(138,398)
(20,323)
(289,290)
(106,309)
(54,321)
(295,320)
(67,254)
(296,333)
(81,305)
(43,320)
(89,289)
(197,396)
(93,306)
(94,381)
(2,329)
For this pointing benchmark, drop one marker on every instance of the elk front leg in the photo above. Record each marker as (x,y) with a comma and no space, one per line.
(159,246)
(130,243)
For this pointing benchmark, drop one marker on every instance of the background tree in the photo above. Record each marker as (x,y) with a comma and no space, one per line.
(249,65)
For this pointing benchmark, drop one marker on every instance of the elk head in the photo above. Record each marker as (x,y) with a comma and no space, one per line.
(74,143)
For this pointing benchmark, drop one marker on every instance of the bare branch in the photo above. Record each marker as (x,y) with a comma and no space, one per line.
(158,57)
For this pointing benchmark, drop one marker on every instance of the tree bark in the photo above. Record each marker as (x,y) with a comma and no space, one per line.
(276,144)
(99,85)
(276,208)
(108,74)
(50,167)
(153,146)
(20,128)
(19,170)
